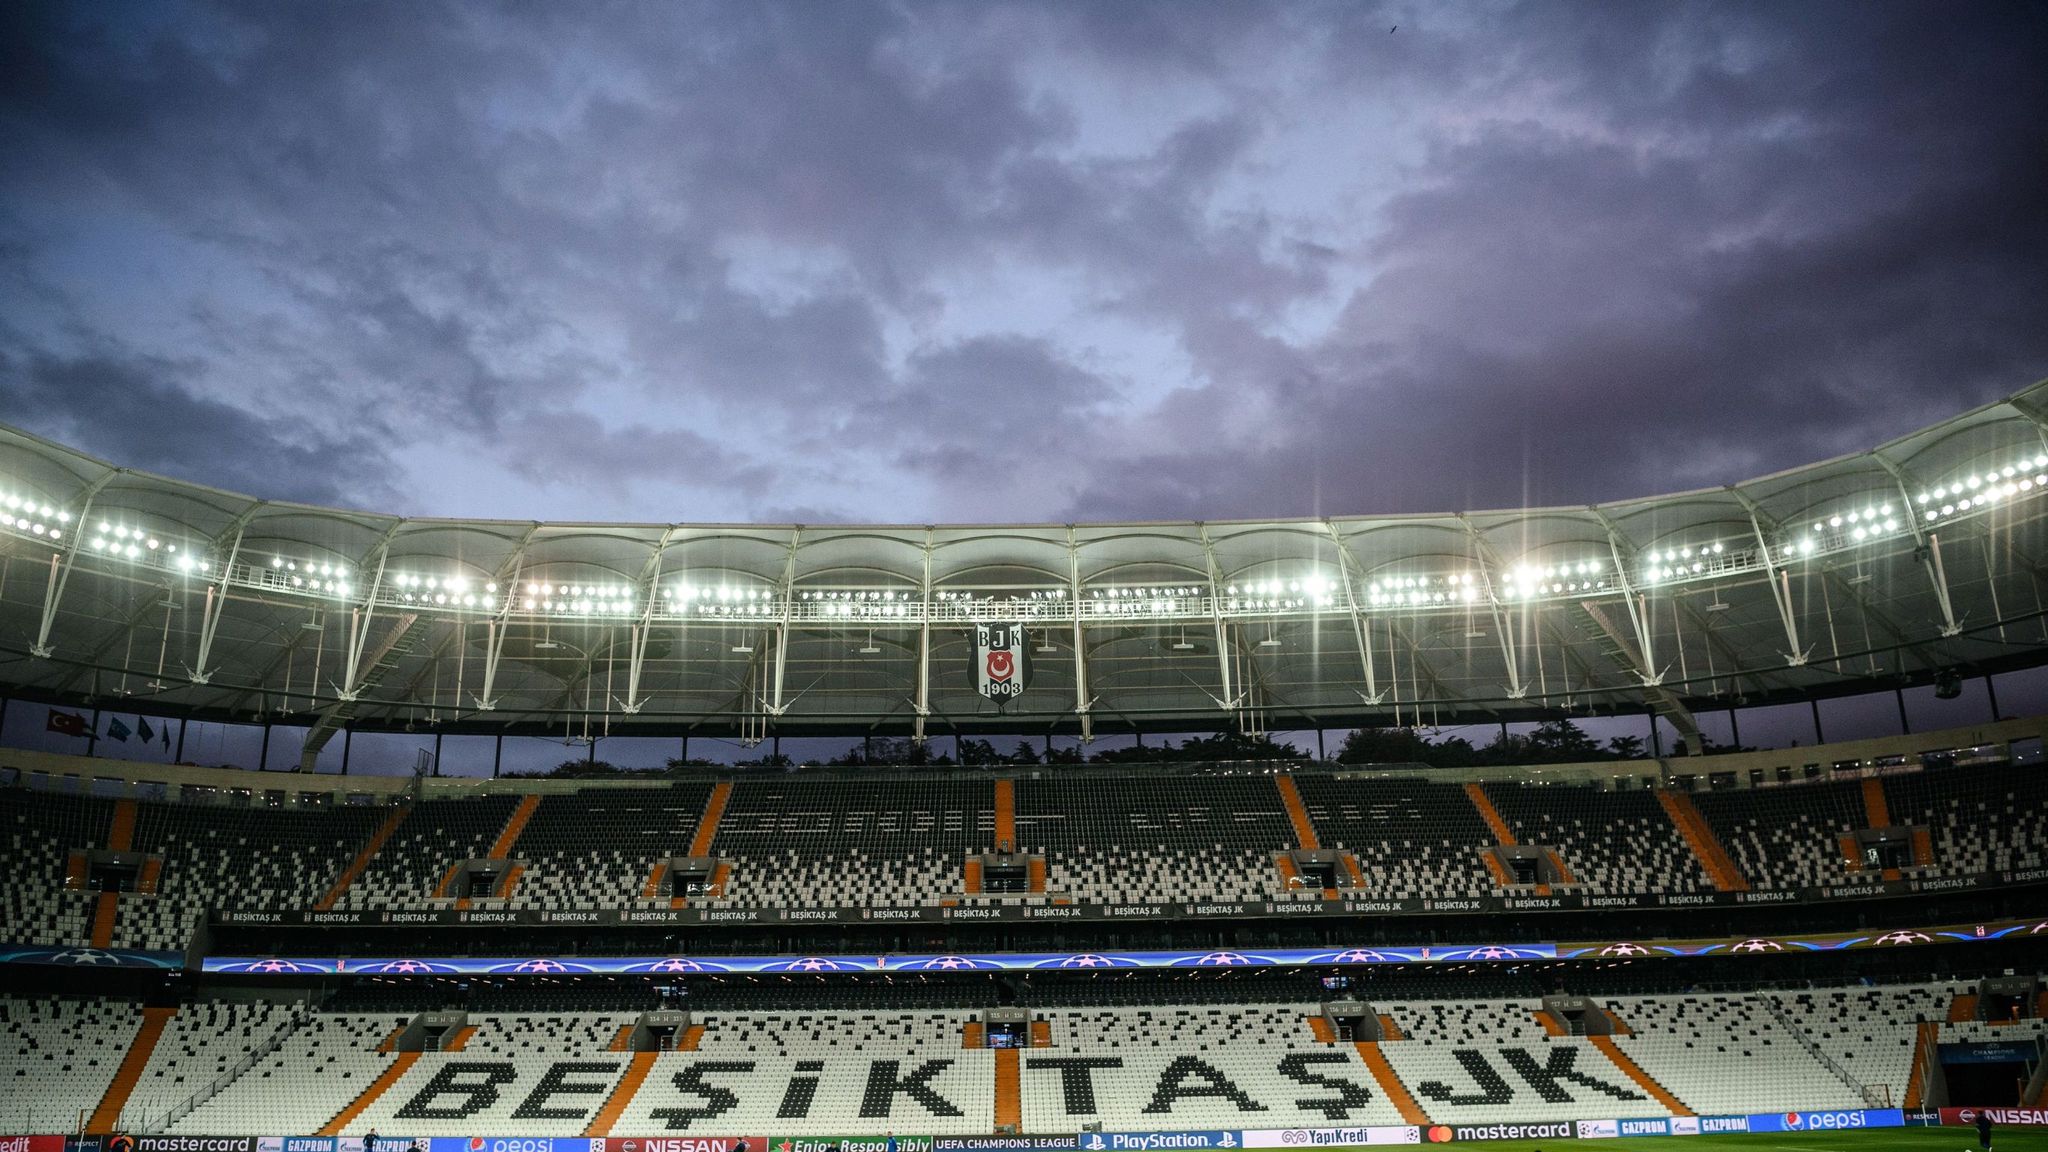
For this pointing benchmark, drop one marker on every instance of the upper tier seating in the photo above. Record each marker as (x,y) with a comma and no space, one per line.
(1787,837)
(1250,1066)
(594,848)
(798,843)
(1727,1054)
(1145,840)
(436,835)
(323,1066)
(57,1058)
(1413,838)
(38,830)
(1471,1063)
(203,1042)
(1979,819)
(217,857)
(1609,841)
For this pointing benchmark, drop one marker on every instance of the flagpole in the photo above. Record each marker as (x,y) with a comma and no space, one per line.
(92,734)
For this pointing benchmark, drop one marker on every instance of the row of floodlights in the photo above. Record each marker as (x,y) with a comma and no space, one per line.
(1678,563)
(24,514)
(1977,491)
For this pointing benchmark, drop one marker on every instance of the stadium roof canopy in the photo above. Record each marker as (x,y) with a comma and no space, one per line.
(1896,565)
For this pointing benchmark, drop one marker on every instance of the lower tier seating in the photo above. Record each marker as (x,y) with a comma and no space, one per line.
(311,1077)
(1493,1062)
(821,1071)
(203,1042)
(1728,1054)
(1247,1066)
(57,1058)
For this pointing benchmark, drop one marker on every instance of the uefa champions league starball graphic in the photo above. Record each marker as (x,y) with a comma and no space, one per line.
(1902,936)
(1758,945)
(1623,949)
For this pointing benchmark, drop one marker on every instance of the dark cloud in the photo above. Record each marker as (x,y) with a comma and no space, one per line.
(1182,259)
(140,412)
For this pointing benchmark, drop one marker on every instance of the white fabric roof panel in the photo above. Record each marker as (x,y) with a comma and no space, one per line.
(1467,616)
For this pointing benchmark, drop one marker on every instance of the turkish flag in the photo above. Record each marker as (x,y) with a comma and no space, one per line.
(67,723)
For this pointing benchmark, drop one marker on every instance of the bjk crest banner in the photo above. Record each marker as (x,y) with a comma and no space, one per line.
(1002,661)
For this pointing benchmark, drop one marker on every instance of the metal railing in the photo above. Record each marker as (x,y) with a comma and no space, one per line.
(1871,1097)
(292,1023)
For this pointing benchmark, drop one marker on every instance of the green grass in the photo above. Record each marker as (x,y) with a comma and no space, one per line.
(1950,1139)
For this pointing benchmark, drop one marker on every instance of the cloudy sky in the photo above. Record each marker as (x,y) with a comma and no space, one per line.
(984,261)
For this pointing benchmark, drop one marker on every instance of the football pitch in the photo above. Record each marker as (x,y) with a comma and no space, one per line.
(1949,1139)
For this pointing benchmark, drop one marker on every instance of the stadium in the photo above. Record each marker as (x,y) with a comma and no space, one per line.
(1023,576)
(1127,952)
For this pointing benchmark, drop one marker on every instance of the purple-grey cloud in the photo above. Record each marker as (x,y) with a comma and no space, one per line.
(828,262)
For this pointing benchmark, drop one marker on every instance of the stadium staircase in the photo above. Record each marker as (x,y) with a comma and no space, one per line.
(1706,847)
(1390,1084)
(1502,835)
(622,1094)
(392,1074)
(1006,815)
(107,909)
(371,847)
(103,915)
(1877,814)
(1376,1063)
(107,1117)
(1009,1090)
(1643,1080)
(1923,848)
(1926,1035)
(1297,815)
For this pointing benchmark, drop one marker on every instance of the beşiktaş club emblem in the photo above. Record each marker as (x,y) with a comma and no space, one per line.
(1002,662)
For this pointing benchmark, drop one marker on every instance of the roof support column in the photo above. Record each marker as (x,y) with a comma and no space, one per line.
(1228,701)
(924,643)
(1350,573)
(775,704)
(1929,551)
(209,616)
(1779,581)
(60,575)
(1081,700)
(359,629)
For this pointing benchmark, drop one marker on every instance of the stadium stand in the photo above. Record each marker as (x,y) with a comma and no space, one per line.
(1868,1032)
(57,1057)
(42,829)
(551,1059)
(216,857)
(1253,1065)
(1470,1063)
(1979,819)
(489,1083)
(202,1043)
(1728,1053)
(893,844)
(436,836)
(1140,840)
(1413,838)
(1607,841)
(596,847)
(319,1070)
(1788,837)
